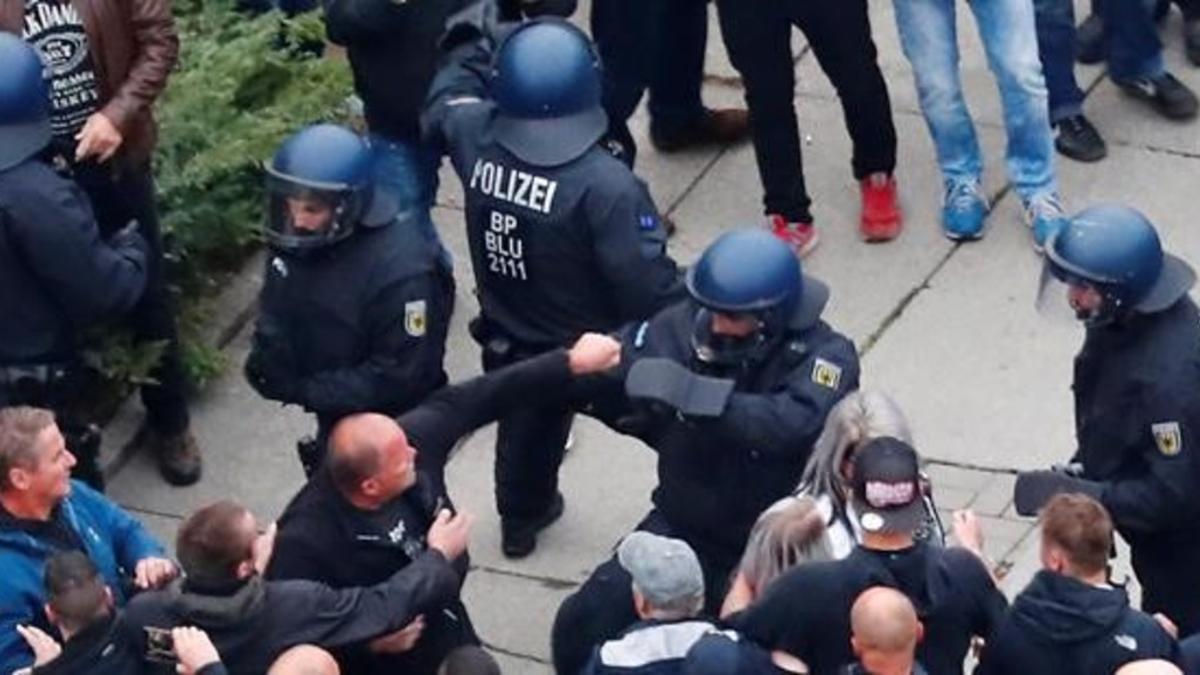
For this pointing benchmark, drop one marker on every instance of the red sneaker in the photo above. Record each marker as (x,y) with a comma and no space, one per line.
(801,237)
(881,219)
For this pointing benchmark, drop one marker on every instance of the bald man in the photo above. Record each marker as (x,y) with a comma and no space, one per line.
(1149,667)
(305,660)
(365,514)
(885,633)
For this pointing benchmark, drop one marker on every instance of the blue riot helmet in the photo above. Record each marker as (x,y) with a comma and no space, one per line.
(749,278)
(24,102)
(1108,262)
(319,188)
(546,85)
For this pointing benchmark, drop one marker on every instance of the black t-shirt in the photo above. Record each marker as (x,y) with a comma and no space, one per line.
(55,29)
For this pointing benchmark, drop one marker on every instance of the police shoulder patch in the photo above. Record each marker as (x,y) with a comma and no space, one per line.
(1168,438)
(414,318)
(826,373)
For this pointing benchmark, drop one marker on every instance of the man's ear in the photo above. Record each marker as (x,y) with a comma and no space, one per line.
(246,569)
(18,478)
(369,487)
(109,601)
(50,615)
(920,632)
(855,646)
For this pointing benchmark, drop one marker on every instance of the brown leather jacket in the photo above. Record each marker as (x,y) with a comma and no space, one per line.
(134,48)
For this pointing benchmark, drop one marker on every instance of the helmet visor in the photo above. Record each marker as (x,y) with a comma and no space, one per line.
(723,339)
(1068,298)
(303,216)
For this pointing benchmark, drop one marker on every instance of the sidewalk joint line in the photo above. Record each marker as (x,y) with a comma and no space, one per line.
(552,582)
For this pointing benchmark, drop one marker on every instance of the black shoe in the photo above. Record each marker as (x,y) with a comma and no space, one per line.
(1089,40)
(519,538)
(1191,41)
(1170,97)
(1079,140)
(714,127)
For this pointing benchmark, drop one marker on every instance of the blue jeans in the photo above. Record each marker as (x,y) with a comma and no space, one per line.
(409,172)
(928,35)
(1134,50)
(1056,44)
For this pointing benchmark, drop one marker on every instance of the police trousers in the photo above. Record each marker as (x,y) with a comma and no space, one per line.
(602,608)
(1168,568)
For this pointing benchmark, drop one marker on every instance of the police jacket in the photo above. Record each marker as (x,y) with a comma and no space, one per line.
(716,474)
(85,520)
(1062,626)
(356,326)
(102,647)
(57,277)
(1137,416)
(251,623)
(557,250)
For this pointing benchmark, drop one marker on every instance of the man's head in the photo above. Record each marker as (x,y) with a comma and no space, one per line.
(886,488)
(469,660)
(76,595)
(370,459)
(783,538)
(309,214)
(35,465)
(304,660)
(24,102)
(215,545)
(1076,537)
(668,582)
(885,631)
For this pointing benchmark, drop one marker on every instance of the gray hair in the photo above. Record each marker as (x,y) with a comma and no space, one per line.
(783,538)
(859,417)
(683,607)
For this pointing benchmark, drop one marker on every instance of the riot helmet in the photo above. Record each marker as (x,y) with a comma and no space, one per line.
(318,188)
(1107,263)
(24,102)
(748,286)
(546,85)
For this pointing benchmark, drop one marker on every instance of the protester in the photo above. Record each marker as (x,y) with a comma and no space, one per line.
(885,634)
(196,653)
(1150,667)
(305,660)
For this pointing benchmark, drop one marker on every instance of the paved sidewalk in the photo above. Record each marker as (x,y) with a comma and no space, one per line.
(949,330)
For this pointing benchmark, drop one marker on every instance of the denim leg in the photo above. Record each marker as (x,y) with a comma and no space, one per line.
(677,71)
(1056,44)
(1134,50)
(410,172)
(930,41)
(1009,37)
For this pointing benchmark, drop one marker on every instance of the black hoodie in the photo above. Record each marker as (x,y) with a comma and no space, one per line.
(1062,626)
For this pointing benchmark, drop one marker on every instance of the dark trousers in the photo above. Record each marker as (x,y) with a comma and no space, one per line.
(117,199)
(758,38)
(1169,571)
(1055,21)
(655,44)
(602,608)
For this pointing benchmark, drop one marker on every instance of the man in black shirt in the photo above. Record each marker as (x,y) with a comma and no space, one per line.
(368,513)
(885,634)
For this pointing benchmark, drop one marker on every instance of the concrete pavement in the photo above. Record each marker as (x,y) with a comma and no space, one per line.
(949,330)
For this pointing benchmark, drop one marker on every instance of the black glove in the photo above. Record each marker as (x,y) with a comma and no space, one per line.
(127,240)
(665,381)
(270,367)
(1035,488)
(475,22)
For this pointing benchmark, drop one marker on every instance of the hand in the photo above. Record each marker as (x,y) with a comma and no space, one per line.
(400,641)
(594,353)
(449,533)
(98,138)
(1035,488)
(154,573)
(968,531)
(264,546)
(45,648)
(193,649)
(1167,624)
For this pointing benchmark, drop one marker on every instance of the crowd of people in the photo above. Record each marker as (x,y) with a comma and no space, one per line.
(792,529)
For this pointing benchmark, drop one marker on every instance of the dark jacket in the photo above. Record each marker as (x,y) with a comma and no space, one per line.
(716,475)
(254,622)
(112,539)
(103,647)
(1061,626)
(359,325)
(134,48)
(1137,421)
(649,648)
(557,250)
(57,277)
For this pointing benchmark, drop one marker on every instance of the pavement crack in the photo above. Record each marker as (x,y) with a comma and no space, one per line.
(491,646)
(550,582)
(971,466)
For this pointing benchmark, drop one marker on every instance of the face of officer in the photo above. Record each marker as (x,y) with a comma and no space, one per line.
(47,478)
(734,325)
(1085,301)
(308,215)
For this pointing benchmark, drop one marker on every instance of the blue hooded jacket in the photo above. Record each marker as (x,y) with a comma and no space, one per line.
(113,539)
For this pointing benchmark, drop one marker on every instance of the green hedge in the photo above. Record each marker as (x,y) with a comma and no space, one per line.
(242,85)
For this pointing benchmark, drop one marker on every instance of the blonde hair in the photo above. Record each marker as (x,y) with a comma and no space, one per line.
(20,427)
(783,538)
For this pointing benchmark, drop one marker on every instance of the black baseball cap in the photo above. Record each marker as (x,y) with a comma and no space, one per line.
(887,487)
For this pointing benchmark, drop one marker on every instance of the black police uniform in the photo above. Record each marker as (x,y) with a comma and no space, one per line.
(359,325)
(1137,415)
(716,474)
(57,278)
(557,251)
(1063,626)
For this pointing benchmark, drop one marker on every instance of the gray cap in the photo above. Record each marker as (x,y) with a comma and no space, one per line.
(664,570)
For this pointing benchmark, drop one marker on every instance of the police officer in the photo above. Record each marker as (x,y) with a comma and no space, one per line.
(731,388)
(1137,399)
(356,300)
(57,277)
(564,238)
